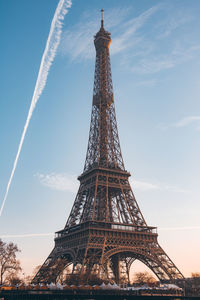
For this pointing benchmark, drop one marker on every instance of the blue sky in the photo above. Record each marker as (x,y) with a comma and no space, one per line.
(155,58)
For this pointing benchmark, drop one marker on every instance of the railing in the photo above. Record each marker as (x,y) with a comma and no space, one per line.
(134,228)
(109,226)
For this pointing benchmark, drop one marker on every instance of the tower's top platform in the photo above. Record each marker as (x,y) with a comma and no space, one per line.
(102,37)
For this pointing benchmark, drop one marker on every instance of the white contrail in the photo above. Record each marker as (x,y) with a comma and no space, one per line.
(26,235)
(51,234)
(46,61)
(180,228)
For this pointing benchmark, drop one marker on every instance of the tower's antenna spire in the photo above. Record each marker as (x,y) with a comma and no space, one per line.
(102,17)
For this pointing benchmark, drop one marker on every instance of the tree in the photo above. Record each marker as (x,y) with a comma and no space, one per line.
(14,280)
(143,277)
(64,274)
(35,270)
(196,275)
(9,265)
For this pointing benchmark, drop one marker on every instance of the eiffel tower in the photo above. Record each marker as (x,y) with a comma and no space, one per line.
(106,231)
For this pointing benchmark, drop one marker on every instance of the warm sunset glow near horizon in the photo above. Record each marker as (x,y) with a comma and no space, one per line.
(155,60)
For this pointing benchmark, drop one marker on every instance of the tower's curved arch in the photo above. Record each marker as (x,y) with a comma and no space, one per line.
(54,265)
(148,259)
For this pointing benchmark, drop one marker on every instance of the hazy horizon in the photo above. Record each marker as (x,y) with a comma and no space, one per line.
(155,61)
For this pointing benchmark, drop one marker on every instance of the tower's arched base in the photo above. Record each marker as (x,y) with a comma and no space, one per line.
(106,251)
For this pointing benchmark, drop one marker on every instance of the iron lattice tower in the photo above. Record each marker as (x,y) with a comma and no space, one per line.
(105,231)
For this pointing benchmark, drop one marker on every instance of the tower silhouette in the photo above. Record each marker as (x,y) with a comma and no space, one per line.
(106,231)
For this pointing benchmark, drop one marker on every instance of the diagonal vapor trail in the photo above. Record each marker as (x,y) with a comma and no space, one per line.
(26,235)
(179,228)
(46,62)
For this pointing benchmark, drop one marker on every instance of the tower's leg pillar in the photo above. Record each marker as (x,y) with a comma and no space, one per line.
(127,272)
(116,267)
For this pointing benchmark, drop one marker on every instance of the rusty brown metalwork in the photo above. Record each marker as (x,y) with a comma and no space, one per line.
(105,231)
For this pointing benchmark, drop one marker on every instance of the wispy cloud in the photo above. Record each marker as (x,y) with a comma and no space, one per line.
(59,181)
(156,63)
(148,82)
(173,188)
(77,42)
(149,186)
(66,182)
(145,44)
(172,23)
(144,186)
(187,121)
(127,37)
(184,122)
